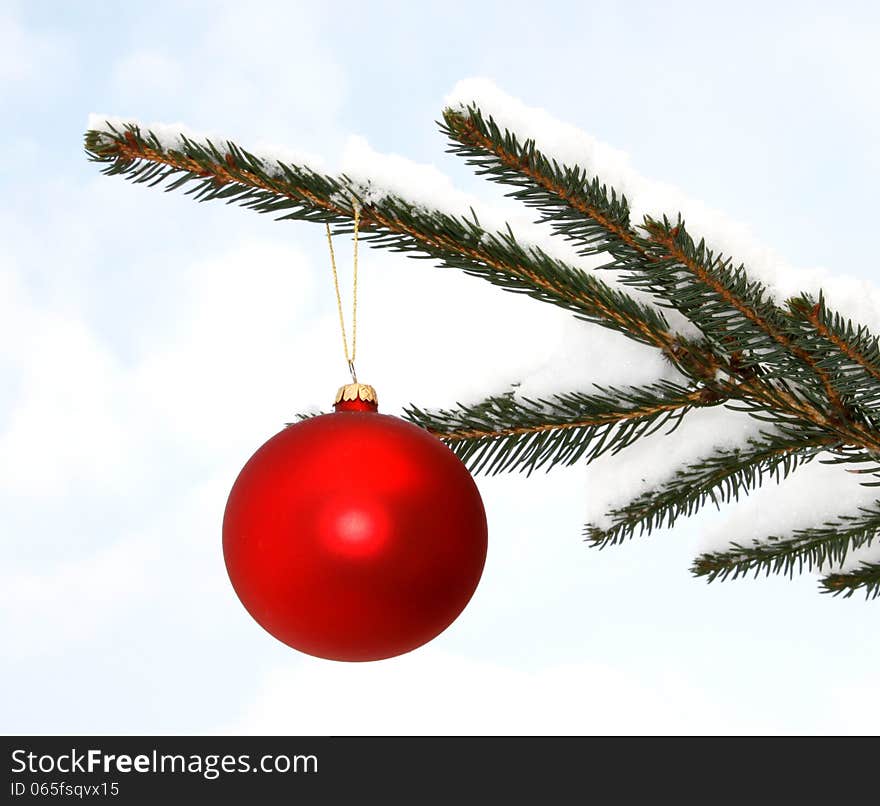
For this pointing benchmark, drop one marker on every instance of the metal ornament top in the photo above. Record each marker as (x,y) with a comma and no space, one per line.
(356,397)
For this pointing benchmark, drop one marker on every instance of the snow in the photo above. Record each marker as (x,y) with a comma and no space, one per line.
(385,175)
(813,494)
(853,296)
(169,137)
(617,480)
(864,554)
(168,134)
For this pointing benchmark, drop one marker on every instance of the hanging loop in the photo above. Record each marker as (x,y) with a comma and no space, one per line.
(349,356)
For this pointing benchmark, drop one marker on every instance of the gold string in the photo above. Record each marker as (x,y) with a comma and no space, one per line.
(349,357)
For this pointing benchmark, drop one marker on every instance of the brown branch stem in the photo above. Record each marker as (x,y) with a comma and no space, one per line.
(691,399)
(844,346)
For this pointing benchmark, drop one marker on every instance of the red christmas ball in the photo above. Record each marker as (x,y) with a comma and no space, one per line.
(354,535)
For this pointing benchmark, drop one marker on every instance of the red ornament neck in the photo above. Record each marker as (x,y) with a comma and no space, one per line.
(355,405)
(356,397)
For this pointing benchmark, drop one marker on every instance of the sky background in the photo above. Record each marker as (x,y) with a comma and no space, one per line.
(149,345)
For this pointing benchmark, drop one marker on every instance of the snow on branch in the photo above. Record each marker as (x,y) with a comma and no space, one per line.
(851,296)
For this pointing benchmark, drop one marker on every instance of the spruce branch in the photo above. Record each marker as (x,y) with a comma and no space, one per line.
(777,401)
(509,433)
(743,326)
(808,549)
(236,176)
(849,353)
(720,477)
(733,311)
(812,374)
(576,205)
(867,576)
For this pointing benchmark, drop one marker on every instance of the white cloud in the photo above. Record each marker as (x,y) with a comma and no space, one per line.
(433,692)
(65,423)
(240,74)
(48,611)
(145,72)
(27,55)
(237,349)
(858,707)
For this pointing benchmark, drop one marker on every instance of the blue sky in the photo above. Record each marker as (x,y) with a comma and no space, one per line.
(150,344)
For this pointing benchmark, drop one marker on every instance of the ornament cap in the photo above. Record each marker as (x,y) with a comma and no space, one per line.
(356,397)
